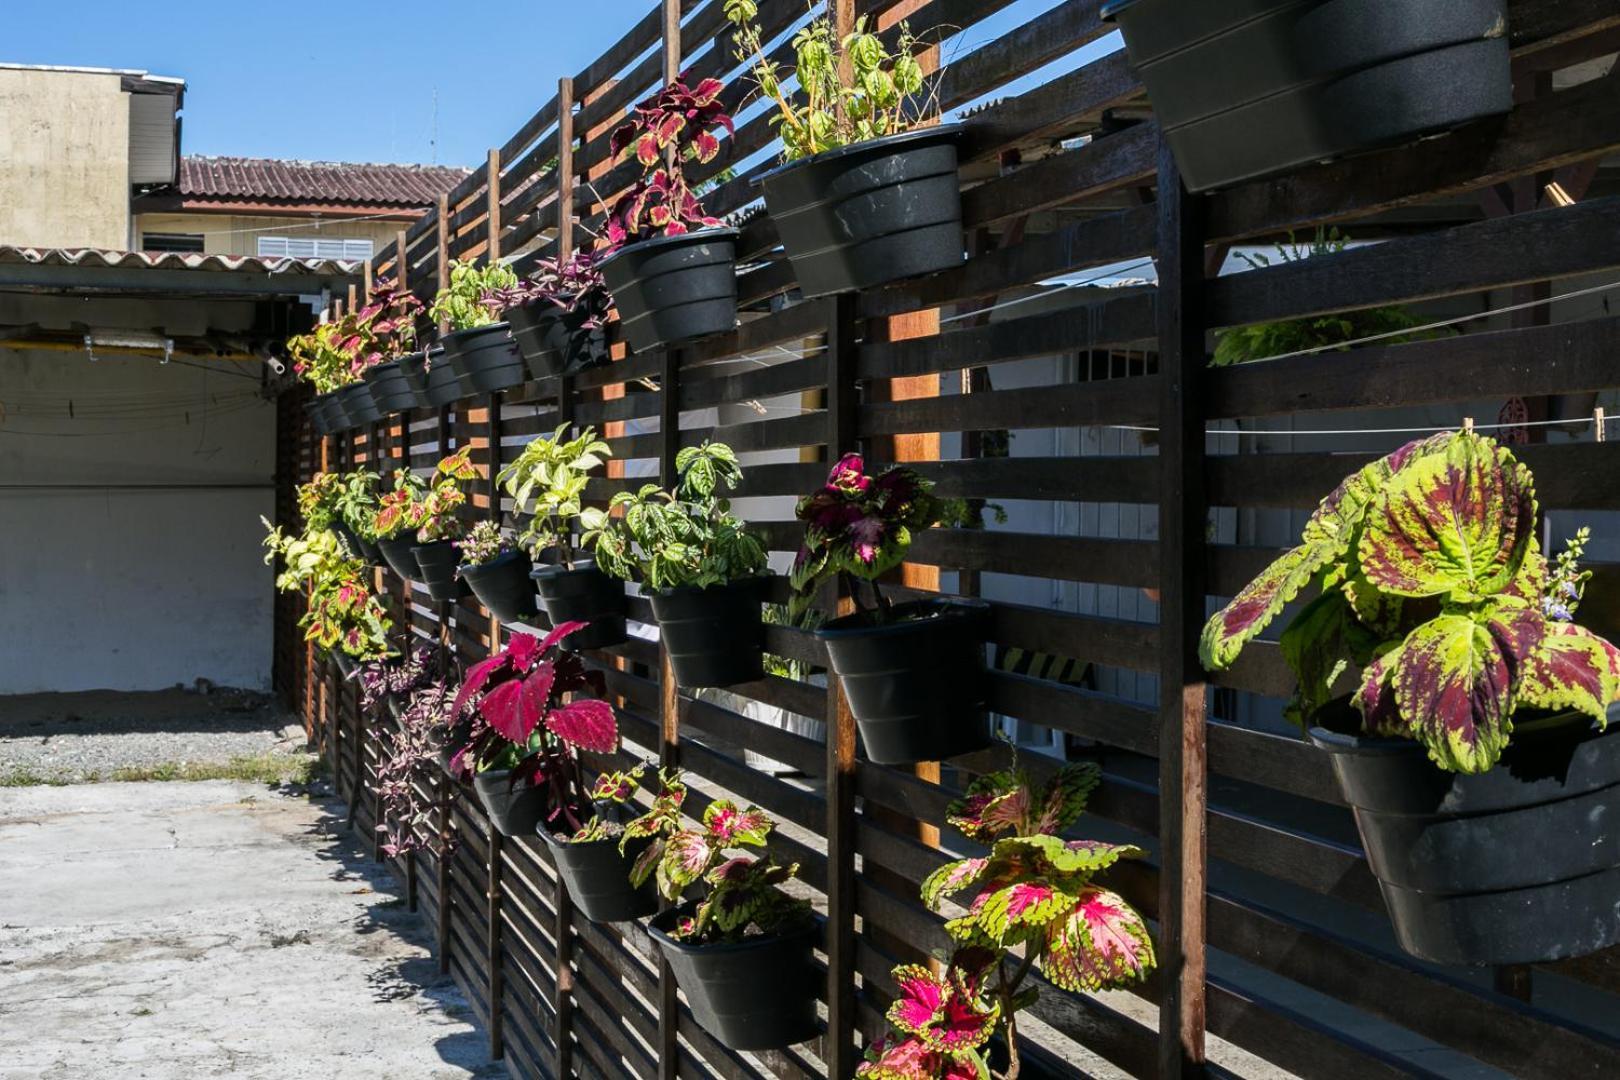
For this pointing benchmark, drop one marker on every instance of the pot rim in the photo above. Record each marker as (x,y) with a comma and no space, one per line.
(955,607)
(712,232)
(811,926)
(582,566)
(692,590)
(947,132)
(460,336)
(1564,722)
(379,369)
(430,544)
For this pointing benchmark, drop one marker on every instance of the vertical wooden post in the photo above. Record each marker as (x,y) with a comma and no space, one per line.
(446,644)
(1183,510)
(444,252)
(840,1053)
(402,263)
(565,168)
(669,428)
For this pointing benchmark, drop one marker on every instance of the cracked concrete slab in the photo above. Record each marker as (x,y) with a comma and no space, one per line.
(167,931)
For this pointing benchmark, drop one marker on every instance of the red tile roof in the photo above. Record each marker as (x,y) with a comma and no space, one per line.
(316,181)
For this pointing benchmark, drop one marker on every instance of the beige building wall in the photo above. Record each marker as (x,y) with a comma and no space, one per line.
(64,159)
(230,234)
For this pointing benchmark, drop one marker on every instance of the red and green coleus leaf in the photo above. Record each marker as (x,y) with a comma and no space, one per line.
(1457,524)
(1063,799)
(1572,669)
(993,803)
(1055,856)
(1259,602)
(952,878)
(729,825)
(648,861)
(946,1014)
(1101,942)
(686,856)
(586,723)
(1018,911)
(1323,645)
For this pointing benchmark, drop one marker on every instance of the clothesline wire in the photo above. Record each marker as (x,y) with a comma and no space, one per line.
(1235,432)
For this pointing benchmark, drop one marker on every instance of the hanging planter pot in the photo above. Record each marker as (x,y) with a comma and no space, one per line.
(715,636)
(358,405)
(346,664)
(598,877)
(553,342)
(353,546)
(512,810)
(441,385)
(485,359)
(396,552)
(583,594)
(504,586)
(872,212)
(413,366)
(675,288)
(758,994)
(1516,865)
(320,411)
(391,391)
(916,685)
(1247,88)
(437,562)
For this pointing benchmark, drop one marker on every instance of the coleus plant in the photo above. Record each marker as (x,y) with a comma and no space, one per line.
(1035,890)
(326,355)
(742,895)
(464,304)
(387,324)
(428,509)
(318,501)
(547,480)
(859,527)
(689,537)
(850,89)
(342,611)
(673,127)
(1432,609)
(527,712)
(356,502)
(611,792)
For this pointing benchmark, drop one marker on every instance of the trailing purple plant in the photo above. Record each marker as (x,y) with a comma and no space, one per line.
(401,675)
(572,285)
(407,812)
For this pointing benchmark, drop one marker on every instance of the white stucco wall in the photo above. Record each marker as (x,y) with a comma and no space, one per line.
(129,530)
(64,159)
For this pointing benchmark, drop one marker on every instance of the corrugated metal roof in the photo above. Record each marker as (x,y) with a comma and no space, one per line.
(171,260)
(316,181)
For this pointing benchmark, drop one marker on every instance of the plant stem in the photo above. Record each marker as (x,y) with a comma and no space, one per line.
(885,609)
(852,590)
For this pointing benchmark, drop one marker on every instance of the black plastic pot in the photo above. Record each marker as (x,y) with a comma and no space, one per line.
(485,358)
(553,342)
(583,594)
(758,994)
(1517,865)
(715,636)
(504,586)
(873,212)
(675,288)
(916,686)
(514,811)
(1246,88)
(397,554)
(319,410)
(346,664)
(413,366)
(442,386)
(438,562)
(348,541)
(391,391)
(598,877)
(358,405)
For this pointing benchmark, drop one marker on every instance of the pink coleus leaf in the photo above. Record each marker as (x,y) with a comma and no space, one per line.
(922,999)
(523,649)
(901,1058)
(729,825)
(1011,914)
(686,853)
(706,146)
(559,633)
(503,708)
(647,149)
(1100,943)
(951,878)
(1063,799)
(586,723)
(1572,669)
(477,678)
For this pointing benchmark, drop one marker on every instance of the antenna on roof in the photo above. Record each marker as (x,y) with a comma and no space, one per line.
(433,136)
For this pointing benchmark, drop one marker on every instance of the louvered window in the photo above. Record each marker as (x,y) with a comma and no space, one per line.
(307,247)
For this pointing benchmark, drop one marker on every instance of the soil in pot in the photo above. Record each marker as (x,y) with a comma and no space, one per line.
(438,562)
(598,877)
(442,384)
(396,552)
(485,358)
(715,636)
(553,342)
(513,811)
(1247,88)
(916,684)
(358,406)
(391,391)
(675,288)
(758,994)
(583,594)
(414,367)
(504,586)
(873,212)
(1517,865)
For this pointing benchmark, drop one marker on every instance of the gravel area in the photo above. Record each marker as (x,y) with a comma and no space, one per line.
(102,735)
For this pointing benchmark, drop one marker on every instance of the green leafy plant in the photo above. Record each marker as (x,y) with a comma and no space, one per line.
(343,613)
(689,537)
(355,502)
(850,89)
(742,895)
(318,501)
(466,303)
(611,793)
(1035,890)
(1243,344)
(548,481)
(325,357)
(428,509)
(1432,606)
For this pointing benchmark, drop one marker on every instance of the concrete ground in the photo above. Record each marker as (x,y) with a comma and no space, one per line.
(167,931)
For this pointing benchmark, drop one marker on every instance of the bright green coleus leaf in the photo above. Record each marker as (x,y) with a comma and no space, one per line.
(1457,524)
(1100,942)
(1006,914)
(1055,856)
(1321,644)
(951,878)
(1573,669)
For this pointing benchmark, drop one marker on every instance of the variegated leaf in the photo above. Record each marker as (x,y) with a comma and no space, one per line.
(1261,601)
(1573,669)
(1102,942)
(1321,645)
(1454,685)
(951,878)
(1063,799)
(1011,914)
(1052,855)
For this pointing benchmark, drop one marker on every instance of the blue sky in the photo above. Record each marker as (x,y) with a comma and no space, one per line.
(405,80)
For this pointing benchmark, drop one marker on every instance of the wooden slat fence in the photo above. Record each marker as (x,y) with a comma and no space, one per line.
(1275,951)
